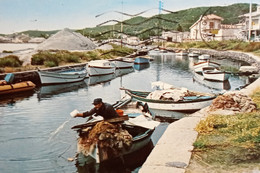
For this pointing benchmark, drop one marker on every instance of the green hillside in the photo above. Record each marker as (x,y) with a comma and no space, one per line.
(145,27)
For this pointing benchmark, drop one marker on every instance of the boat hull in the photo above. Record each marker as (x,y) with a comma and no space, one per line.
(216,76)
(187,106)
(17,87)
(48,78)
(198,67)
(123,63)
(141,60)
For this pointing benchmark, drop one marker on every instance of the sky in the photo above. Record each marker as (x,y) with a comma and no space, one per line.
(46,15)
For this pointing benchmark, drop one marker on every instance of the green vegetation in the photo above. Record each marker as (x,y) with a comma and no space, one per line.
(229,142)
(7,51)
(56,58)
(10,61)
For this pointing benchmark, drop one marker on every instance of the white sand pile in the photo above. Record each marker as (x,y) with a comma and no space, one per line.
(67,40)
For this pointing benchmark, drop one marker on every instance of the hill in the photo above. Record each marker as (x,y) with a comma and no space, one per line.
(145,27)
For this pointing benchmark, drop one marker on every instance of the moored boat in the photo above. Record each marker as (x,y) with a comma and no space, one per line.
(16,87)
(204,57)
(179,100)
(142,60)
(213,74)
(197,67)
(62,76)
(100,67)
(123,62)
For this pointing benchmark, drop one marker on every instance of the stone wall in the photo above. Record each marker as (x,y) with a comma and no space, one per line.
(247,57)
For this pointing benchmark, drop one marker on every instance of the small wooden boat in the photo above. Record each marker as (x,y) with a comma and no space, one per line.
(142,60)
(62,76)
(204,57)
(216,85)
(140,67)
(197,67)
(123,62)
(213,74)
(17,87)
(193,54)
(187,104)
(124,136)
(100,67)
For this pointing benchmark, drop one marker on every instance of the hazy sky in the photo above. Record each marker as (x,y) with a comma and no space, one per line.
(22,15)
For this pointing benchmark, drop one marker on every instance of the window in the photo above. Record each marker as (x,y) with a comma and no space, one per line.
(211,25)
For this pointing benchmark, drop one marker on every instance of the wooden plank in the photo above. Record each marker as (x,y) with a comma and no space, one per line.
(112,120)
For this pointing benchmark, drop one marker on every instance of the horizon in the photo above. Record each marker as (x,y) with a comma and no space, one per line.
(49,15)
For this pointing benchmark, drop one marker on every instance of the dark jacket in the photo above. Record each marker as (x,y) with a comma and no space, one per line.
(106,111)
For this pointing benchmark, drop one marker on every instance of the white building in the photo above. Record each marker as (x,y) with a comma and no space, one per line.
(206,27)
(255,23)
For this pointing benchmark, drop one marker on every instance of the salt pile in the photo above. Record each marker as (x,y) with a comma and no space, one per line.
(67,40)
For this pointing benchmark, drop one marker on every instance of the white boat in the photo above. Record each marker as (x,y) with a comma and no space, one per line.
(62,76)
(204,57)
(154,52)
(197,67)
(178,101)
(217,85)
(123,62)
(213,74)
(181,53)
(192,54)
(100,67)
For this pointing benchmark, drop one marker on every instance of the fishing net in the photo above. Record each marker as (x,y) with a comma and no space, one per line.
(107,136)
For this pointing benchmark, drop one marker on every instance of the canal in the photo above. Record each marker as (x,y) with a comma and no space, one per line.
(35,128)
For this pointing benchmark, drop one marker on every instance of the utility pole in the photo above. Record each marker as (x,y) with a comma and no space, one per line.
(250,22)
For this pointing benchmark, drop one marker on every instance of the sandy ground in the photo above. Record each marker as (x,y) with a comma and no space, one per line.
(23,50)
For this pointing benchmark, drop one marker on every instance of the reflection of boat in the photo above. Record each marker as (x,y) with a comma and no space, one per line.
(177,102)
(225,85)
(197,67)
(123,62)
(213,74)
(121,72)
(62,76)
(140,67)
(100,67)
(100,79)
(49,90)
(181,53)
(142,60)
(8,89)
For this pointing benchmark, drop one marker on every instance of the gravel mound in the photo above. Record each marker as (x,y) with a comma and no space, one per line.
(67,40)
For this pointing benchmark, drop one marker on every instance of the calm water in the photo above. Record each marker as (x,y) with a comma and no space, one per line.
(35,134)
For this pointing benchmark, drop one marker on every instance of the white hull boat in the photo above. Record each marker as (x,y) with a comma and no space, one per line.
(197,67)
(204,57)
(211,73)
(122,63)
(62,77)
(100,67)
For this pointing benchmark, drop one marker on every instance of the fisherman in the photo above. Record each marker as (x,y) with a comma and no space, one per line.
(105,110)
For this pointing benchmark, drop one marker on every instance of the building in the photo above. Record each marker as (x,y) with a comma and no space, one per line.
(254,29)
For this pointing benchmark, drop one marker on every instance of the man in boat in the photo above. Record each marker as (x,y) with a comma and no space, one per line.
(105,110)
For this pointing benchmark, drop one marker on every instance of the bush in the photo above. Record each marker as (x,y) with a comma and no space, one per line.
(10,61)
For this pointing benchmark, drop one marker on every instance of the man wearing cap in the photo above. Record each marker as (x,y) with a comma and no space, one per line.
(103,109)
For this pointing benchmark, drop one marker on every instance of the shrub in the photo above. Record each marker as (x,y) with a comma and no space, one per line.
(10,61)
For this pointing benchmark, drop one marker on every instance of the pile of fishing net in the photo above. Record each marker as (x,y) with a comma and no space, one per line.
(106,136)
(236,102)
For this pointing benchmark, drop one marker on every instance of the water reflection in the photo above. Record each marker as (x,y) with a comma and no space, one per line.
(129,163)
(11,99)
(122,72)
(218,85)
(51,90)
(104,79)
(140,67)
